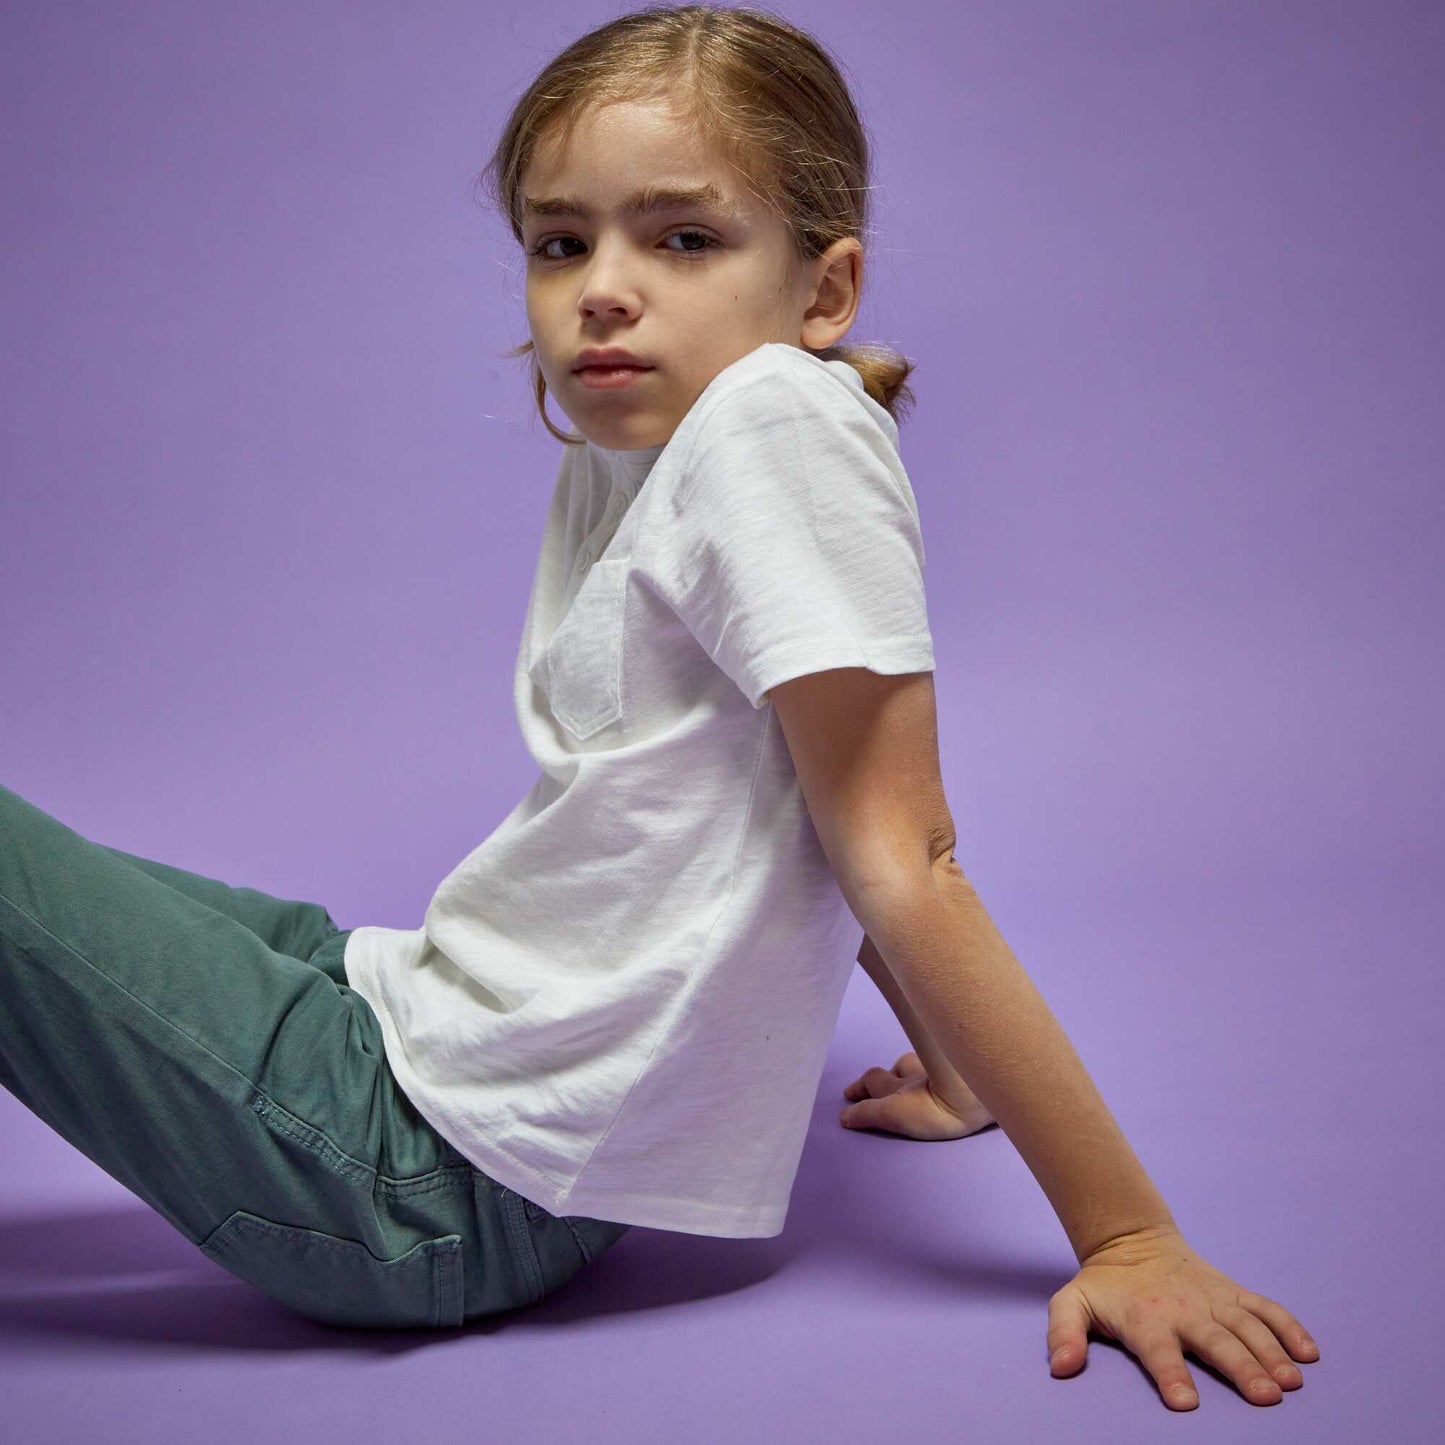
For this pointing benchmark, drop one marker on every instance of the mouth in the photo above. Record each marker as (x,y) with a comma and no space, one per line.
(608,356)
(611,374)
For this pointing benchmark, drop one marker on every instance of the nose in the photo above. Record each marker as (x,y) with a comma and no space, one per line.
(605,285)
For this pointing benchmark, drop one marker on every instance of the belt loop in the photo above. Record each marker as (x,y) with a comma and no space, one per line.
(523,1246)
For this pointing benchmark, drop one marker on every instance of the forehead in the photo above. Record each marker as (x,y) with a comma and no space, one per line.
(632,157)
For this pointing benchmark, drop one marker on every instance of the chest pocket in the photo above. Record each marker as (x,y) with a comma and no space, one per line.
(580,669)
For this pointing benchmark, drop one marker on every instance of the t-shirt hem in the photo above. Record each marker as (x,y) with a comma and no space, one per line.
(797,659)
(683,1216)
(651,1211)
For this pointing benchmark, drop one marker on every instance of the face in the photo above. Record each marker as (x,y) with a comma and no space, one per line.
(686,286)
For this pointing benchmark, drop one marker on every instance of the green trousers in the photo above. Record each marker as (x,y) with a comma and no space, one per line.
(199,1043)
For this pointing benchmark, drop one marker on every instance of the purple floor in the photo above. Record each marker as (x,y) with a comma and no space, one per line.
(1251,1057)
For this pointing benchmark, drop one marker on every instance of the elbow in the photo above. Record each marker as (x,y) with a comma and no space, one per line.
(889,895)
(941,842)
(943,865)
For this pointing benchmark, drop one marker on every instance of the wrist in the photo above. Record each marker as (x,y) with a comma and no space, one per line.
(1122,1247)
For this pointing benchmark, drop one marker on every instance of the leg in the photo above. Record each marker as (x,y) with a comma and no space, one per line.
(285,924)
(241,1093)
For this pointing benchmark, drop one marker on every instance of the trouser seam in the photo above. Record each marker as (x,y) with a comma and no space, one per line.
(582,1244)
(121,988)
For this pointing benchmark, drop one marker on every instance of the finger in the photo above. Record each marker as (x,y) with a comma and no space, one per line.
(867,1114)
(1068,1337)
(1296,1338)
(1226,1352)
(1259,1339)
(868,1083)
(1158,1351)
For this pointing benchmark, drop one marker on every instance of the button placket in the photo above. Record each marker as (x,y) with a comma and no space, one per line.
(605,530)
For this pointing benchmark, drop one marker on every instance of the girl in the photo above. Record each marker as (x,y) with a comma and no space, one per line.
(618,1005)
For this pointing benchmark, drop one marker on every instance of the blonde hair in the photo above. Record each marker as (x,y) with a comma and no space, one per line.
(760,89)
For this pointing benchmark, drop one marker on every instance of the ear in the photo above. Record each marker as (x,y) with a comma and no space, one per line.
(837,281)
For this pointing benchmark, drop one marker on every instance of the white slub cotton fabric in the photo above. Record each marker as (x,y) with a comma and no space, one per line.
(620,1002)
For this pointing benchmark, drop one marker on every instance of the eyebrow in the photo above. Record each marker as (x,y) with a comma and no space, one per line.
(650,198)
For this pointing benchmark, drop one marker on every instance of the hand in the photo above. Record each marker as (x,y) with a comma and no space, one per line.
(901,1101)
(1154,1295)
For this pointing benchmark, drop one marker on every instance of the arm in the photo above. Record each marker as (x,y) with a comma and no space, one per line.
(942,1078)
(969,993)
(876,801)
(866,752)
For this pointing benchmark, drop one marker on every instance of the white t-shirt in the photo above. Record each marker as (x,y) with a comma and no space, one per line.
(620,1002)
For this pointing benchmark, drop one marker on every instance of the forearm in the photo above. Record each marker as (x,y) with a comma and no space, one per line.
(943,1078)
(982,1012)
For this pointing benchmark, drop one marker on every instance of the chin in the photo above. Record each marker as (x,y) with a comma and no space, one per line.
(617,440)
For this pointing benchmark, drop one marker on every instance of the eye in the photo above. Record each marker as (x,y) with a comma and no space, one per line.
(540,249)
(709,243)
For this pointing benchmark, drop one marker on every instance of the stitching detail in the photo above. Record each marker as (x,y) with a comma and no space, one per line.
(121,988)
(240,1224)
(582,1244)
(449,1309)
(612,600)
(283,1121)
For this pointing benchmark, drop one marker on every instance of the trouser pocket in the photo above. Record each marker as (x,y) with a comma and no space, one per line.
(339,1281)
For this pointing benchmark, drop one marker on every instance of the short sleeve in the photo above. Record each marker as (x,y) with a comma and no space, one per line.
(796,542)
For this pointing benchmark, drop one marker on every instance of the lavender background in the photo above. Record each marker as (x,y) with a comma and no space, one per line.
(271,497)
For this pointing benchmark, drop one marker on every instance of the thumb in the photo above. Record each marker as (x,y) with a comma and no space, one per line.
(1068,1338)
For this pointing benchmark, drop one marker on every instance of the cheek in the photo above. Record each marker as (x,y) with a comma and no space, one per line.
(542,312)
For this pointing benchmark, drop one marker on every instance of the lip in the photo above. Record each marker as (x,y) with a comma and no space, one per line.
(608,356)
(608,377)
